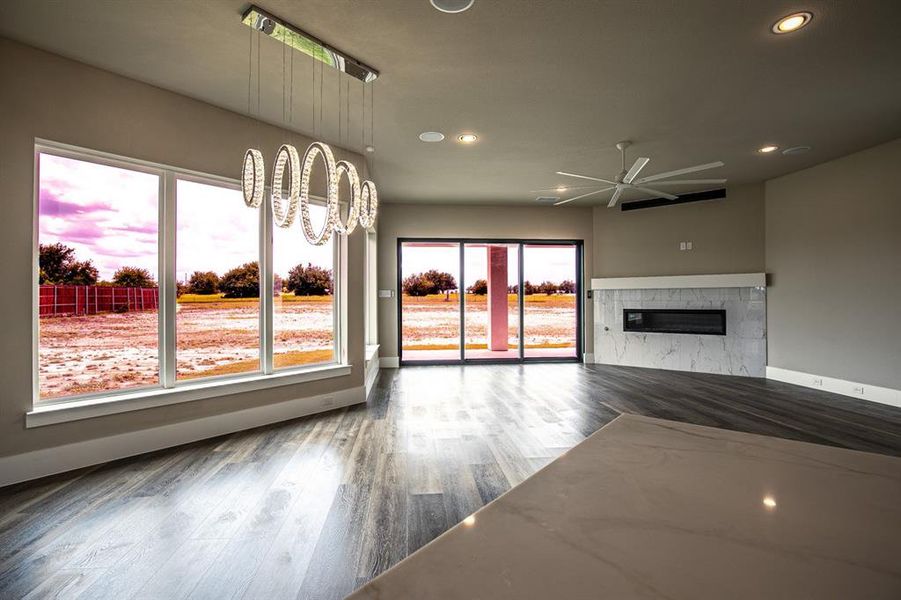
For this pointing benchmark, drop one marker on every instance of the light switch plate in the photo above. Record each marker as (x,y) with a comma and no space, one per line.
(386,293)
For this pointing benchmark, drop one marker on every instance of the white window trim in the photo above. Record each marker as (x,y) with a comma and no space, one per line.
(170,391)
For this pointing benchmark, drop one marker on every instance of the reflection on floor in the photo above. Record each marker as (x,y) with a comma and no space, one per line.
(318,506)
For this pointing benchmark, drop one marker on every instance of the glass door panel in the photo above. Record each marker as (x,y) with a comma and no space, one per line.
(430,302)
(550,314)
(491,302)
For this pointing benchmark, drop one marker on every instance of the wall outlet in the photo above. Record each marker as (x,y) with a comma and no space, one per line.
(682,245)
(328,401)
(858,389)
(818,381)
(688,245)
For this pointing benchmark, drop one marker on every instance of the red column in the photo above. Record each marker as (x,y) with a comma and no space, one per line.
(498,328)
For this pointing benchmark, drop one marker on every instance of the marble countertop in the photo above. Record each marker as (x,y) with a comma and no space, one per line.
(648,508)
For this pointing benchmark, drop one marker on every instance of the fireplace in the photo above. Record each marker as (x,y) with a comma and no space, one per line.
(694,321)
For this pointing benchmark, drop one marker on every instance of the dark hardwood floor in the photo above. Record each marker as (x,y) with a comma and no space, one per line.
(314,507)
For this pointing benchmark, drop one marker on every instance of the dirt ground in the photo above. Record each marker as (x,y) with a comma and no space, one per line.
(433,322)
(105,352)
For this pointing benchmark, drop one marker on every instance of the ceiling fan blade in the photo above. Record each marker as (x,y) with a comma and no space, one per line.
(656,193)
(615,197)
(677,172)
(637,166)
(584,177)
(568,187)
(582,196)
(691,182)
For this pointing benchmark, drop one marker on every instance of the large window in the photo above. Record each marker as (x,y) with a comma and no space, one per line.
(304,286)
(217,319)
(148,276)
(98,297)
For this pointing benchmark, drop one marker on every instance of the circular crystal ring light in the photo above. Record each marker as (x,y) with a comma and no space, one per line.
(284,209)
(369,204)
(322,236)
(252,178)
(353,207)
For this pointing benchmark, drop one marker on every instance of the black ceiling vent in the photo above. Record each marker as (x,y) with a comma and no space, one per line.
(682,199)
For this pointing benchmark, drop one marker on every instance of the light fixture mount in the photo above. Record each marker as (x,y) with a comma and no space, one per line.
(792,22)
(452,6)
(468,138)
(300,40)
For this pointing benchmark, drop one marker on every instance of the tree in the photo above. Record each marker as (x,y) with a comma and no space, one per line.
(203,282)
(241,282)
(567,286)
(133,277)
(58,266)
(547,287)
(309,281)
(479,287)
(418,285)
(528,288)
(444,282)
(277,284)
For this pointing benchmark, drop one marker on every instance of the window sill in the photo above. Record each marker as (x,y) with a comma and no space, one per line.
(120,403)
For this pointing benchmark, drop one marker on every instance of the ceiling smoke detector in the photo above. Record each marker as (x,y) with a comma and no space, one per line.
(431,136)
(452,6)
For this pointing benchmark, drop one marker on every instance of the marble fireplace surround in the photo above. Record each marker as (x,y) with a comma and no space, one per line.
(742,351)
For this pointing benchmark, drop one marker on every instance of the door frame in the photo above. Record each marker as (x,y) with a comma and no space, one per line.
(521,243)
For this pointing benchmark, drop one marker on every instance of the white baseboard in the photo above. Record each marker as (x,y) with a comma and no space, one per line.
(389,362)
(864,391)
(588,358)
(49,461)
(373,368)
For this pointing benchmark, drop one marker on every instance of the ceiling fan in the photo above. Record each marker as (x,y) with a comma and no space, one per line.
(629,180)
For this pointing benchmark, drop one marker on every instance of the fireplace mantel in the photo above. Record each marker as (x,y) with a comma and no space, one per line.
(730,280)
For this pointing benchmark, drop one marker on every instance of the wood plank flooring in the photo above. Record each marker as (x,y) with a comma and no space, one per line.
(315,507)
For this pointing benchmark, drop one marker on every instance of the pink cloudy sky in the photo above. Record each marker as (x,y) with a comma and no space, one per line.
(109,215)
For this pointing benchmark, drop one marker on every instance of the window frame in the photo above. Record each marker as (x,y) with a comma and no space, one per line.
(168,390)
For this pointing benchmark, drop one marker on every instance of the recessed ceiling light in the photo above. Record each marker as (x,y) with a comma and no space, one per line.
(452,6)
(796,150)
(370,149)
(767,149)
(792,22)
(431,136)
(562,188)
(468,138)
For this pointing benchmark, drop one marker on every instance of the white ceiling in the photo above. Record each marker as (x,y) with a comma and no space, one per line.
(547,84)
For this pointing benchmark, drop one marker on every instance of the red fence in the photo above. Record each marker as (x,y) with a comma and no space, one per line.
(59,300)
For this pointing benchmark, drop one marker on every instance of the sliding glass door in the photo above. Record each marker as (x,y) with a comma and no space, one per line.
(489,300)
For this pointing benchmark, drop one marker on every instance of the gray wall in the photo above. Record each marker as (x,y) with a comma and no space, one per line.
(408,220)
(727,237)
(46,96)
(833,249)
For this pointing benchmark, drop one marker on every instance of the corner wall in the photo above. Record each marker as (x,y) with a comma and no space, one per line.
(833,251)
(424,220)
(47,96)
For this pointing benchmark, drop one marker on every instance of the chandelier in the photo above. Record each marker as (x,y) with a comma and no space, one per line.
(290,185)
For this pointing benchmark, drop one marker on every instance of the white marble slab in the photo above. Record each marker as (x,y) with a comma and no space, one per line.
(647,508)
(742,351)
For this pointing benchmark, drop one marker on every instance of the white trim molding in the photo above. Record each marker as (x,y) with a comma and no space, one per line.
(864,391)
(49,461)
(588,358)
(680,281)
(75,410)
(389,362)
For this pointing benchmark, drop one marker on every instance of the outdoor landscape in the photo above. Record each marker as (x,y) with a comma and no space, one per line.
(98,294)
(431,315)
